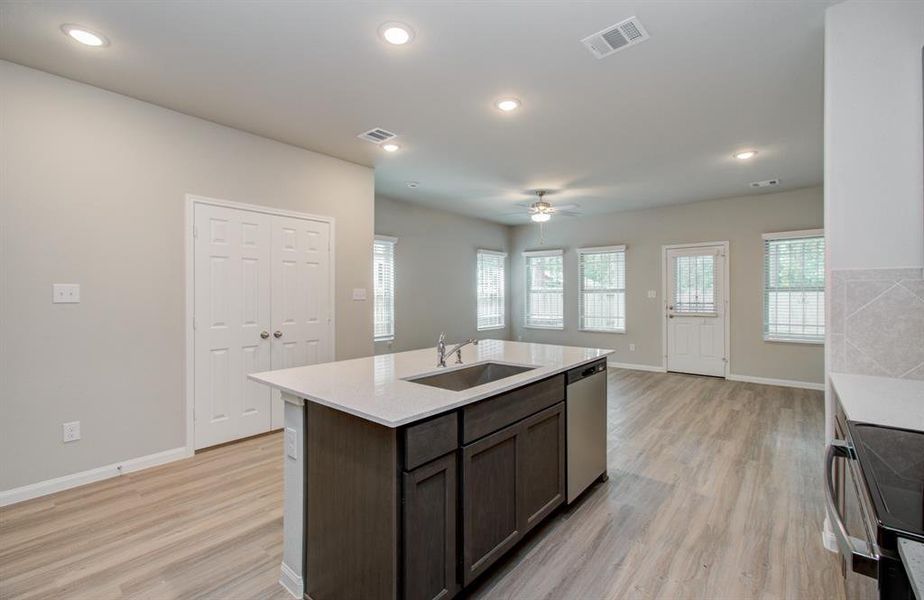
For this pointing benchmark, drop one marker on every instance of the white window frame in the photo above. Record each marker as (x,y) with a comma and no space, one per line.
(391,335)
(503,295)
(582,252)
(538,253)
(785,235)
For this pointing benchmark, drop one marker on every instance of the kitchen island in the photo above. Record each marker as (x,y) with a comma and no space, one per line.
(406,480)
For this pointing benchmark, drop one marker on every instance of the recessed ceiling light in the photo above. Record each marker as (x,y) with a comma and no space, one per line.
(391,147)
(413,184)
(745,154)
(84,36)
(541,217)
(395,33)
(507,104)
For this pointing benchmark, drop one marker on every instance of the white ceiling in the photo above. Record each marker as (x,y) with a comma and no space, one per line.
(651,125)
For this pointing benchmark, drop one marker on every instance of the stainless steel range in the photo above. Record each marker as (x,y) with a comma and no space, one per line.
(875,493)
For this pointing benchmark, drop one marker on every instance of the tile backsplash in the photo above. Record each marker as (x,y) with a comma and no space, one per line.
(876,322)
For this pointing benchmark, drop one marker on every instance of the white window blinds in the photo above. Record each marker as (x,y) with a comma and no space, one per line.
(794,286)
(383,266)
(694,285)
(603,288)
(490,289)
(544,289)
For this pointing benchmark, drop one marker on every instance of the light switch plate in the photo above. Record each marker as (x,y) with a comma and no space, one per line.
(652,294)
(631,347)
(291,443)
(359,293)
(65,293)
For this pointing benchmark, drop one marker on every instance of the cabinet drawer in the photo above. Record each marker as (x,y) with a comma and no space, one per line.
(488,416)
(430,439)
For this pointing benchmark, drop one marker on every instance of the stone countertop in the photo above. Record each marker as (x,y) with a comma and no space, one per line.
(373,387)
(912,554)
(881,400)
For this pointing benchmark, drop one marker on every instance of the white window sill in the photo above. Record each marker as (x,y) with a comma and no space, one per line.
(390,338)
(602,330)
(492,328)
(543,328)
(783,340)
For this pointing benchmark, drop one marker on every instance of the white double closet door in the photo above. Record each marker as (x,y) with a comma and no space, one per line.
(262,301)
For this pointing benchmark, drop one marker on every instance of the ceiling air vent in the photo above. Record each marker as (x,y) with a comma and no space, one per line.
(377,135)
(621,35)
(765,183)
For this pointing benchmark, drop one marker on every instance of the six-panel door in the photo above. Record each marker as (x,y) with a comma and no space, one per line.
(232,309)
(261,301)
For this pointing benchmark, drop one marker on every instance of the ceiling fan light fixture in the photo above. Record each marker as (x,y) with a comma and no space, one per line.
(541,217)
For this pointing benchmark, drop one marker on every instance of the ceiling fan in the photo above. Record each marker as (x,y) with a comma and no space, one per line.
(542,210)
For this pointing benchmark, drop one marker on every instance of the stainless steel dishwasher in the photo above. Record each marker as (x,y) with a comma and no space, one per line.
(585,410)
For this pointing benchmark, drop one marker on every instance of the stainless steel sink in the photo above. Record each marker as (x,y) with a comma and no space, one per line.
(469,377)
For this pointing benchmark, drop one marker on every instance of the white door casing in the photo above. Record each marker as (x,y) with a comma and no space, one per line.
(696,309)
(232,309)
(252,272)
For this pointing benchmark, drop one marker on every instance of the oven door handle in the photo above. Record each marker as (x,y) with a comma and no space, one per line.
(852,549)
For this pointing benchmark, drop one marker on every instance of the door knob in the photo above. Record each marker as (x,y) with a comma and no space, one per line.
(264,334)
(277,334)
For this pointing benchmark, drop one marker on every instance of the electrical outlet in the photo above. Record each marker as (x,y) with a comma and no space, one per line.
(631,347)
(291,443)
(359,293)
(65,293)
(71,431)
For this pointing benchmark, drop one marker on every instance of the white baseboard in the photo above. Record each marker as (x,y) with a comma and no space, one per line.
(292,581)
(808,385)
(58,484)
(635,367)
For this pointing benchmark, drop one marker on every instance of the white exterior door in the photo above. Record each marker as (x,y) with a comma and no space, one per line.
(696,310)
(262,293)
(232,310)
(301,297)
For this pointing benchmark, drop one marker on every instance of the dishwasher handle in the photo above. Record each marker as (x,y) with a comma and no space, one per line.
(580,373)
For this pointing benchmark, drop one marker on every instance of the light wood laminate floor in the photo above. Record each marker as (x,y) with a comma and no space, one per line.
(715,491)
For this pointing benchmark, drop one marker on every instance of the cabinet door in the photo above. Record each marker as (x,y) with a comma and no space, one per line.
(490,500)
(542,465)
(430,493)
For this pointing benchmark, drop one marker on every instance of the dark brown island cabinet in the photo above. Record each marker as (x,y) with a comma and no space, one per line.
(419,512)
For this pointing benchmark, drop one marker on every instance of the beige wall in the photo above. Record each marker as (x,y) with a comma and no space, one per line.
(740,221)
(435,272)
(92,191)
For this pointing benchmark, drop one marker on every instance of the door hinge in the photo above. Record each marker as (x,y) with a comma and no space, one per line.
(195,232)
(195,323)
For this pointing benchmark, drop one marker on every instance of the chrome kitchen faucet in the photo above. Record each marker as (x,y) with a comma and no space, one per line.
(441,350)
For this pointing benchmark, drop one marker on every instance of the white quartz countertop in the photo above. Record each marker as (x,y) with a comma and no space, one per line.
(373,387)
(912,554)
(881,400)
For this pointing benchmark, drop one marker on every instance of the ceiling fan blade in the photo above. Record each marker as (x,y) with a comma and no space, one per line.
(560,207)
(568,213)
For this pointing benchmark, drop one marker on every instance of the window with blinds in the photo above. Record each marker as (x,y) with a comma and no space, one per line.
(383,268)
(602,288)
(545,289)
(794,286)
(694,285)
(490,289)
